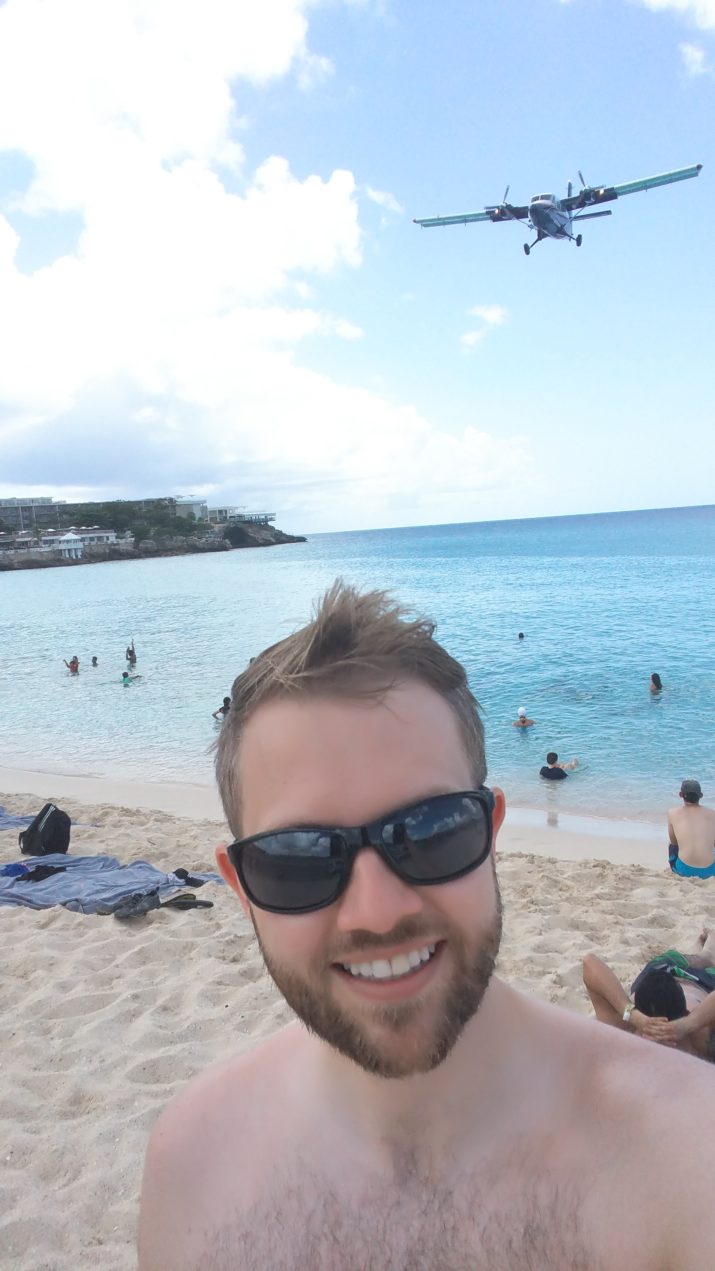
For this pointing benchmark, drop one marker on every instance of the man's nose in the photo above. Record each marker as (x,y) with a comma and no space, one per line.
(375,899)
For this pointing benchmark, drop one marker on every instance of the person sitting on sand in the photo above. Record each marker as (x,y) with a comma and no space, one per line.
(656,683)
(691,835)
(419,1112)
(222,711)
(671,1000)
(521,721)
(72,665)
(555,771)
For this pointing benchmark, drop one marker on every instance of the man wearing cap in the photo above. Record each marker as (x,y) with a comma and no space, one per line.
(691,835)
(521,721)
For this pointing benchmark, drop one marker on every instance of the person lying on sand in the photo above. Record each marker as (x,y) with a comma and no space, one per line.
(671,1000)
(420,1112)
(691,835)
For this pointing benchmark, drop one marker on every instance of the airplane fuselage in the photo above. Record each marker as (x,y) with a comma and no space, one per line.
(548,217)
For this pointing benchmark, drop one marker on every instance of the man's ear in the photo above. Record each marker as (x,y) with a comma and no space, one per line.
(498,814)
(229,876)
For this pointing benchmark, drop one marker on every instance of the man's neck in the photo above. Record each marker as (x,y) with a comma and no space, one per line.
(436,1109)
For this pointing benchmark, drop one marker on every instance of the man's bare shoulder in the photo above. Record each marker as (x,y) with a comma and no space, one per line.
(204,1138)
(227,1091)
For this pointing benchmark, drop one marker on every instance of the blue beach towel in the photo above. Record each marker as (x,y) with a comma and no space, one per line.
(87,884)
(10,822)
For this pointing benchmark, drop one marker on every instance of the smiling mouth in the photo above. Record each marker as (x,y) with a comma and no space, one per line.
(400,967)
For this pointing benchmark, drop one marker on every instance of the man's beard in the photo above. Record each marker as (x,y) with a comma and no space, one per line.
(351,1036)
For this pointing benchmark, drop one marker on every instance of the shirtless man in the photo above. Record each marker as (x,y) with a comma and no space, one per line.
(420,1115)
(671,1001)
(691,835)
(521,720)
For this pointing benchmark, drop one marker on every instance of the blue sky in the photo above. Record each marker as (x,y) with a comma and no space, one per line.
(210,282)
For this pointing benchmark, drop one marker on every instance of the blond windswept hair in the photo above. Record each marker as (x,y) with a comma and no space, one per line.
(359,645)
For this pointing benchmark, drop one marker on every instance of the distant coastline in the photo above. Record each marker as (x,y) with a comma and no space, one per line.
(249,536)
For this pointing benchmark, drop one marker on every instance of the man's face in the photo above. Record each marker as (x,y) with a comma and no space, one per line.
(340,761)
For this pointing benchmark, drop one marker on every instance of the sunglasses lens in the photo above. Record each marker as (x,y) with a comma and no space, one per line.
(294,871)
(439,839)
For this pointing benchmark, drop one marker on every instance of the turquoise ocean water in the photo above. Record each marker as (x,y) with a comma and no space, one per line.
(603,600)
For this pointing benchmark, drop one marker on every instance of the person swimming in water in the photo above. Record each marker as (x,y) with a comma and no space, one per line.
(94,662)
(72,665)
(131,655)
(222,711)
(128,679)
(656,684)
(521,721)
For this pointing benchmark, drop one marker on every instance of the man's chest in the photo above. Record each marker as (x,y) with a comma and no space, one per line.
(416,1225)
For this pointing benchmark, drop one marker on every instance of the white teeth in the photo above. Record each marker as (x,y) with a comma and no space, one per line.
(393,968)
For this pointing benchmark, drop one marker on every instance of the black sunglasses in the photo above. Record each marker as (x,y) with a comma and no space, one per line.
(294,871)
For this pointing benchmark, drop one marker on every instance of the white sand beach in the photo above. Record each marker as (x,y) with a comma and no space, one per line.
(102,1021)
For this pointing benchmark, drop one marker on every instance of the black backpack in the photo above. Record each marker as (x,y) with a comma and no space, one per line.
(48,833)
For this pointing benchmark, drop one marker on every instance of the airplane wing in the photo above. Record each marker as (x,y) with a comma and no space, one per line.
(505,212)
(605,193)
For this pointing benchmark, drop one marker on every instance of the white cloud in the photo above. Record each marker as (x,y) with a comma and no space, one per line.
(493,315)
(384,199)
(470,338)
(348,330)
(695,59)
(165,351)
(701,12)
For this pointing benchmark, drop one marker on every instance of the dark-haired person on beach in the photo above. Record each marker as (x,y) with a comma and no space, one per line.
(72,665)
(419,1112)
(656,683)
(555,771)
(671,1000)
(691,835)
(222,711)
(521,720)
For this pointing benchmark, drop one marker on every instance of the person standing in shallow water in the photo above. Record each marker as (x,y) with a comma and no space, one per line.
(419,1113)
(656,684)
(72,665)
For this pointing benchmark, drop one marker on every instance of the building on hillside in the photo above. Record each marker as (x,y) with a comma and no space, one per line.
(28,514)
(87,536)
(238,516)
(197,507)
(69,545)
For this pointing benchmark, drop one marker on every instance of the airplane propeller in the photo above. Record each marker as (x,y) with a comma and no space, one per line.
(506,195)
(584,185)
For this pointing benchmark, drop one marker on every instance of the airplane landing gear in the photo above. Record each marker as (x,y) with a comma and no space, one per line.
(527,249)
(579,240)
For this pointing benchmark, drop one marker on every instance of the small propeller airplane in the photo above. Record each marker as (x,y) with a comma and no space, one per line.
(554,218)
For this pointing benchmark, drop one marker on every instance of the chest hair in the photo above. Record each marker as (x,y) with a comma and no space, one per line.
(506,1223)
